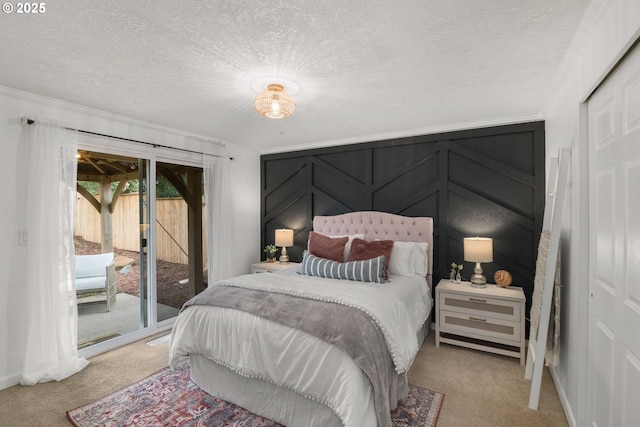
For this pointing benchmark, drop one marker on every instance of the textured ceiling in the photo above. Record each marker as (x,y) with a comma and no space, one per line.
(355,69)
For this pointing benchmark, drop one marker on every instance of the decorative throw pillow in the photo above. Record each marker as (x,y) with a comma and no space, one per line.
(326,247)
(363,249)
(371,270)
(347,247)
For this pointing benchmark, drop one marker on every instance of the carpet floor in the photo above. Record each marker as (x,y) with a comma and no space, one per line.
(170,398)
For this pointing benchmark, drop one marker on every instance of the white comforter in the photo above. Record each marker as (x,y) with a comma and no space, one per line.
(255,347)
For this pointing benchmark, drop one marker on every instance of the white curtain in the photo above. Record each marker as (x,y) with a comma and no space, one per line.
(220,218)
(52,317)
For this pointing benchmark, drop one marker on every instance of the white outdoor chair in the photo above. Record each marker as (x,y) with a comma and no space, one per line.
(96,274)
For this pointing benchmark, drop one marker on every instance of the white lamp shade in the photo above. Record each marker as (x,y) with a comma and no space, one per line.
(478,249)
(284,237)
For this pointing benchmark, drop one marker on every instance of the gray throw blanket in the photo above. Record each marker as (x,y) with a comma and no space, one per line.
(348,328)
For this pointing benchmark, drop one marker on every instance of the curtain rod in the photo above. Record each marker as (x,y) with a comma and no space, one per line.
(32,121)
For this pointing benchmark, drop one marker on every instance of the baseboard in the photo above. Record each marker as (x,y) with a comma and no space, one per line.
(9,381)
(568,413)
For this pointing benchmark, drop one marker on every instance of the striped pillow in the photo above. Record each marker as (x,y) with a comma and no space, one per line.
(370,270)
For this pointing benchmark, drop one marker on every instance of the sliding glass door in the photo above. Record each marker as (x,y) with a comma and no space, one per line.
(180,242)
(112,217)
(144,220)
(149,214)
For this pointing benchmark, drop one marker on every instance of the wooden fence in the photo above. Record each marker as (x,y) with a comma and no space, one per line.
(171,226)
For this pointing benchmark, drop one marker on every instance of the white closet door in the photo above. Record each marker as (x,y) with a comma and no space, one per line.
(614,261)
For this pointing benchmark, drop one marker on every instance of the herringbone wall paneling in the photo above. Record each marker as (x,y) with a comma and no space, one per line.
(482,182)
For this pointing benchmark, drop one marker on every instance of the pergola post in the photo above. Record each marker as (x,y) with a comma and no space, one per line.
(191,192)
(106,221)
(196,276)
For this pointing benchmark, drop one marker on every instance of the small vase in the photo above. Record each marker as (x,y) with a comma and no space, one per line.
(271,259)
(452,276)
(458,278)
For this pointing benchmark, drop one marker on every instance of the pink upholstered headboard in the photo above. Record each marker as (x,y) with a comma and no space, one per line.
(381,225)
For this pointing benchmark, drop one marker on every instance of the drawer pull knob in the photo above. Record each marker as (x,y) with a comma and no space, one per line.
(475,319)
(477,300)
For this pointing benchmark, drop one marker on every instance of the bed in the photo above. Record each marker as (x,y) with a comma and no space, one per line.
(294,376)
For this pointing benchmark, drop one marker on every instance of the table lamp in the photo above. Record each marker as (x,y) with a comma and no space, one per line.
(478,249)
(284,238)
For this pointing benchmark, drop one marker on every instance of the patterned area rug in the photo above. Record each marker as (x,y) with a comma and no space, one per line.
(169,398)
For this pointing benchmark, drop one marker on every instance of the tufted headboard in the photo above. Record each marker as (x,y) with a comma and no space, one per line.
(381,225)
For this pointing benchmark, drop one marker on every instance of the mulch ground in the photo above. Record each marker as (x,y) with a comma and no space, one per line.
(169,274)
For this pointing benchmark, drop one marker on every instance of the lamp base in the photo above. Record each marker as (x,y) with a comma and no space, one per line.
(478,280)
(479,285)
(284,258)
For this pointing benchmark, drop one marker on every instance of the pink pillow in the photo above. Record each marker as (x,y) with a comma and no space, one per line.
(326,247)
(363,249)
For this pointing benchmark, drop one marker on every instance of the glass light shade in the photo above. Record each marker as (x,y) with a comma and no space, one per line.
(284,237)
(478,249)
(274,103)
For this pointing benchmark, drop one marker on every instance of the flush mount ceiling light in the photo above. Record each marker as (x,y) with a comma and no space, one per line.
(274,102)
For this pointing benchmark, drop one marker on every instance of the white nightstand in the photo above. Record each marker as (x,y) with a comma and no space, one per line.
(270,267)
(489,319)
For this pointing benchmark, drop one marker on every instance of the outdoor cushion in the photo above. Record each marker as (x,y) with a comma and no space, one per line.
(86,283)
(92,265)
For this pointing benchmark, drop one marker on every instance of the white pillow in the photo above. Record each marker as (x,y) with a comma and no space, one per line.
(409,259)
(403,259)
(347,246)
(421,261)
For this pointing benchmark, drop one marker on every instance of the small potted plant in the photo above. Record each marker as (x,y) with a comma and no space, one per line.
(271,250)
(454,275)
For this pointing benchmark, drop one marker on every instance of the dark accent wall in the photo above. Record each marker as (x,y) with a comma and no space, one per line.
(482,182)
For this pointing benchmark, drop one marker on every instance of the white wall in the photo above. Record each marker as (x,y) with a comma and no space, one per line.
(15,104)
(607,31)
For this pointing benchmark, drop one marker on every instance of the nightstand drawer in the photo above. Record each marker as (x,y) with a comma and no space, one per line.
(256,270)
(271,267)
(481,306)
(479,326)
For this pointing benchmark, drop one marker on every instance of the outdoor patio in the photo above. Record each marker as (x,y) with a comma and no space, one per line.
(96,325)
